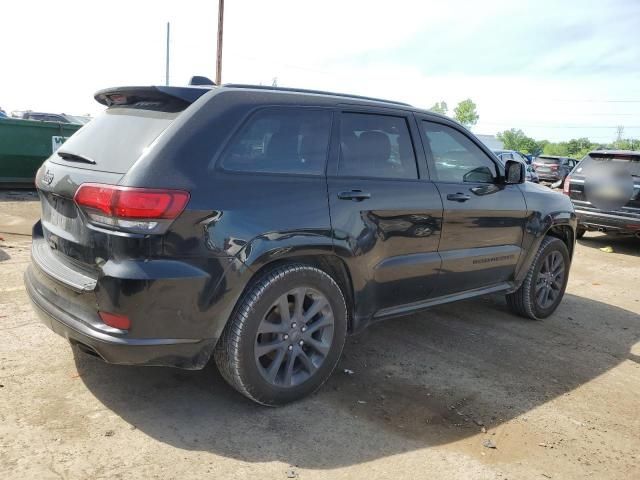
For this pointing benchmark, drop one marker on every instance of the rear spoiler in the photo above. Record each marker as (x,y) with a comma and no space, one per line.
(622,154)
(132,95)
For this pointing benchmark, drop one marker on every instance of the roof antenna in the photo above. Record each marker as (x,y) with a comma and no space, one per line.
(200,80)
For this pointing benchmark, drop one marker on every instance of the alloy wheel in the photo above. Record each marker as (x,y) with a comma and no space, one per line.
(294,337)
(550,279)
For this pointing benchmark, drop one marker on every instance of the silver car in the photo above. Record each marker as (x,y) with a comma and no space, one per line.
(505,155)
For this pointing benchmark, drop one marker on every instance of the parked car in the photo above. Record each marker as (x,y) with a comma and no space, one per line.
(623,219)
(261,225)
(505,155)
(52,117)
(552,169)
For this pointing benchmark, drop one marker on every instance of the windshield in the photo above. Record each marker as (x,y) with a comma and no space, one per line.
(116,138)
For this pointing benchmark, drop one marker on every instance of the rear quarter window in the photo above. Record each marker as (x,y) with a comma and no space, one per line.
(281,140)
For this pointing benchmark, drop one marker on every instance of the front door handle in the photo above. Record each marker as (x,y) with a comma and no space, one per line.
(355,195)
(458,197)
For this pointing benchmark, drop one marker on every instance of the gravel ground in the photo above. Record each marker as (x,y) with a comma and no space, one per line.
(429,395)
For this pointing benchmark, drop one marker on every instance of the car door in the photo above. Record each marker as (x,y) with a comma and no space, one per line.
(385,215)
(483,219)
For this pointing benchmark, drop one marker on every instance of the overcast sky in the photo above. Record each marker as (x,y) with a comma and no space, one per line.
(555,69)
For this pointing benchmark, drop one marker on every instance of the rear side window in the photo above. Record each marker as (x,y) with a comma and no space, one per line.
(376,146)
(281,140)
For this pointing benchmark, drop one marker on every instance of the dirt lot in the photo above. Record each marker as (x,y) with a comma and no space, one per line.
(558,399)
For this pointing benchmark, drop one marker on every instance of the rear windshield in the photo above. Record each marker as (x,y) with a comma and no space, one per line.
(631,164)
(547,160)
(115,139)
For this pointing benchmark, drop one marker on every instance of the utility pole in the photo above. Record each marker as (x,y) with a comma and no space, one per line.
(219,55)
(166,77)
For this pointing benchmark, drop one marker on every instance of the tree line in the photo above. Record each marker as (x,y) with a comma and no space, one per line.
(515,139)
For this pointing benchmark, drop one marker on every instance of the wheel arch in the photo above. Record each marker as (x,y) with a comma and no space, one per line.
(263,254)
(562,225)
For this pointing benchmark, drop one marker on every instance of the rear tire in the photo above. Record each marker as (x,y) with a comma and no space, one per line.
(580,232)
(545,283)
(285,335)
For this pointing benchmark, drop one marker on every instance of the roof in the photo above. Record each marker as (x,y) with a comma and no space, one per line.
(629,153)
(311,92)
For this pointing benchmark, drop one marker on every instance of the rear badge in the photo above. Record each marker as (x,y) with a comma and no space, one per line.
(47,177)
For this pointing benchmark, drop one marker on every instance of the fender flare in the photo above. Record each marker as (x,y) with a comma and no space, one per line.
(538,227)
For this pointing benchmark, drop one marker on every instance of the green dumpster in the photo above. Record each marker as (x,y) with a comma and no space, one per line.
(25,144)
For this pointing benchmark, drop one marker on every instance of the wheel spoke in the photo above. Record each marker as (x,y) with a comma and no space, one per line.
(288,368)
(313,310)
(318,346)
(322,322)
(550,295)
(263,348)
(268,327)
(306,361)
(283,309)
(540,296)
(274,368)
(298,304)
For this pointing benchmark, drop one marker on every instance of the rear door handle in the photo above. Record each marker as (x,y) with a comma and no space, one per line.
(355,195)
(458,197)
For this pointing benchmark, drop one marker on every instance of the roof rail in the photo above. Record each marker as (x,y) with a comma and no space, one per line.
(313,92)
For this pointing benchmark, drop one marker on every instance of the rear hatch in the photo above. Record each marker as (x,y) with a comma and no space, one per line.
(630,161)
(110,221)
(547,165)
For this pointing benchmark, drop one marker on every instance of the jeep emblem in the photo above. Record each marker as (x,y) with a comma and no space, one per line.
(47,177)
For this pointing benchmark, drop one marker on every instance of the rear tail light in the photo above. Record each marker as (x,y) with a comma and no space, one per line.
(121,322)
(567,185)
(138,210)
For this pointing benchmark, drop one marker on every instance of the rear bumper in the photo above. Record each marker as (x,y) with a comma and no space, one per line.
(608,222)
(111,347)
(548,178)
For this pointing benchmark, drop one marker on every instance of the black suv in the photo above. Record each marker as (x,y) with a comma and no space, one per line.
(550,168)
(260,226)
(623,217)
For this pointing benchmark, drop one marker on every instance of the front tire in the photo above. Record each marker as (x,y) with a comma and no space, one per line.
(285,336)
(545,283)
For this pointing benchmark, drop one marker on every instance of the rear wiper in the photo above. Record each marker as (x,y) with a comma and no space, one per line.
(72,157)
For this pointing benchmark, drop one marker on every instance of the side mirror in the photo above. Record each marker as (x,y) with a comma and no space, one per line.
(514,172)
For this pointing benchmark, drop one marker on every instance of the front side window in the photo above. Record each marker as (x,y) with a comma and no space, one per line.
(376,146)
(456,158)
(281,140)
